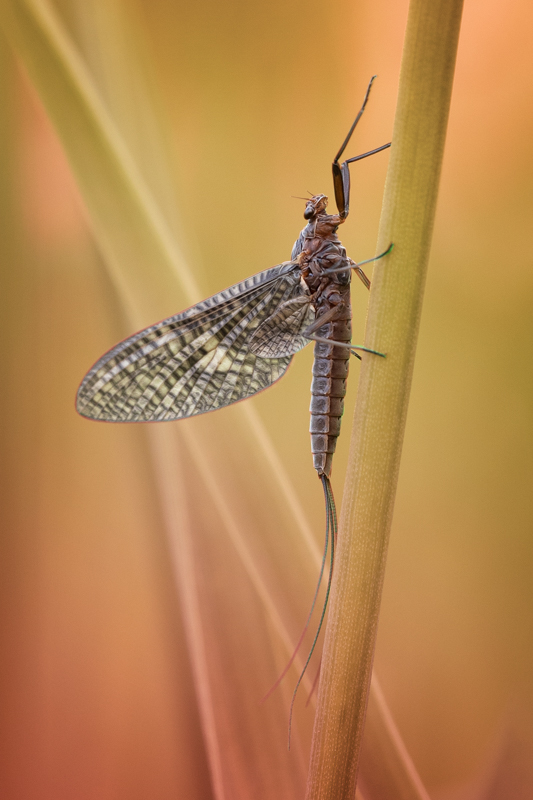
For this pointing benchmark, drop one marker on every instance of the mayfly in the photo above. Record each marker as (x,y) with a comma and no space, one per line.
(241,340)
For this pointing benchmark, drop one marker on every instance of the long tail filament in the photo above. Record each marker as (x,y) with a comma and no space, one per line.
(306,626)
(331,537)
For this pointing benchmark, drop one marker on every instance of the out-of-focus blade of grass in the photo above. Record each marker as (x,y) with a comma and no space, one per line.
(386,768)
(128,225)
(228,635)
(93,680)
(133,233)
(511,773)
(127,222)
(111,46)
(392,327)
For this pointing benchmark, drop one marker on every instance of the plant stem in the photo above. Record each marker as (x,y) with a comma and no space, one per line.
(392,328)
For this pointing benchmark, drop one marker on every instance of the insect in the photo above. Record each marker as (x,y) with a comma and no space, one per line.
(242,340)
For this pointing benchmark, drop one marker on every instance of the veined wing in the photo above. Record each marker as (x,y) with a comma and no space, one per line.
(198,360)
(281,333)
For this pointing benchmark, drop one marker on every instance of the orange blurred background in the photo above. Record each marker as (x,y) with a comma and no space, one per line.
(255,99)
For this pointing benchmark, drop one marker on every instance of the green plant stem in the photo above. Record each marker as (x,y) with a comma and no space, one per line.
(392,327)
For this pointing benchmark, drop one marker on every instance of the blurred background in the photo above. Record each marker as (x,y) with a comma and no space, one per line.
(230,110)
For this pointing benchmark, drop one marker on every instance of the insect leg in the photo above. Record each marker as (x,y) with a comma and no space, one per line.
(357,267)
(369,153)
(323,319)
(341,173)
(351,347)
(358,117)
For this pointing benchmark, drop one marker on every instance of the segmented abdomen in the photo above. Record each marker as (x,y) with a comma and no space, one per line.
(328,387)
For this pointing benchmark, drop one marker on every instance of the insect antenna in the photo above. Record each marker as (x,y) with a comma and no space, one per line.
(331,537)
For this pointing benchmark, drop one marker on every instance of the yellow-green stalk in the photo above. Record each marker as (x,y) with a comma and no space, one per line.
(392,328)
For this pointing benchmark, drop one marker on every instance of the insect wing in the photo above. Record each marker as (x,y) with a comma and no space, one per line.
(196,361)
(282,333)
